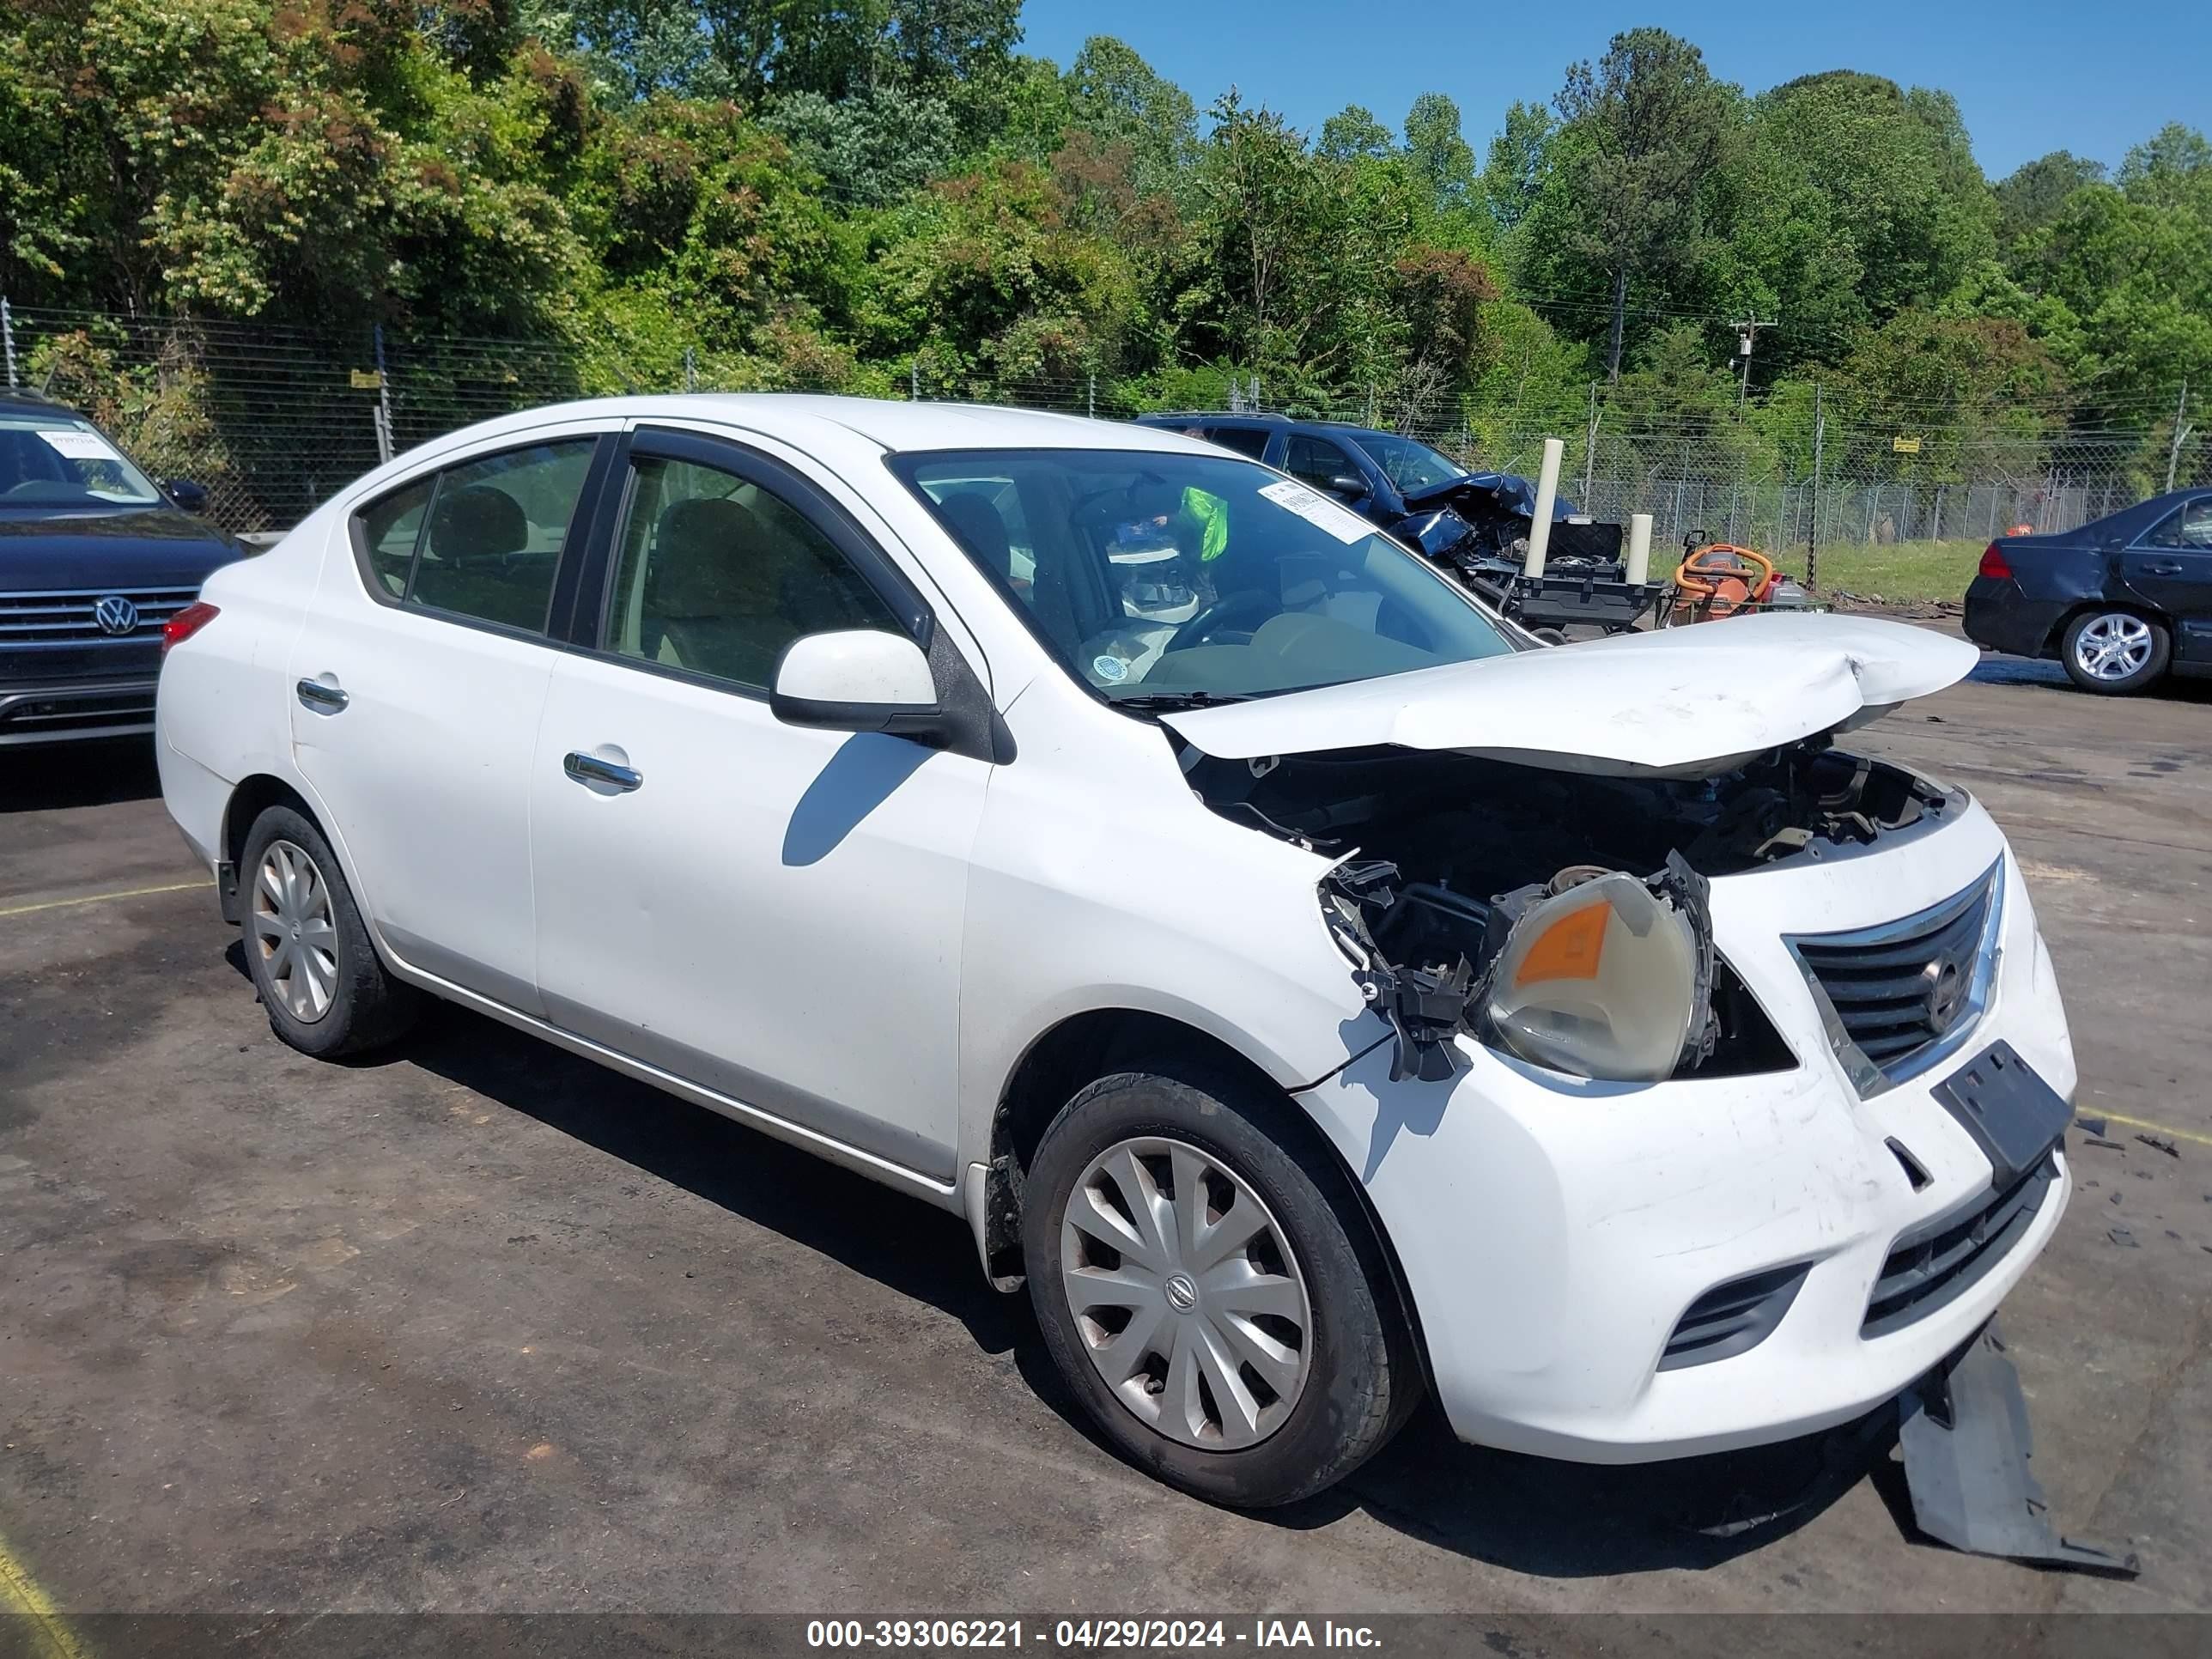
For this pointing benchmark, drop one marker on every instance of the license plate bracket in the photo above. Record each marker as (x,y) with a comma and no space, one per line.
(2014,1115)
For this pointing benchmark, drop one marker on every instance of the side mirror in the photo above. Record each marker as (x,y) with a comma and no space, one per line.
(857,680)
(192,497)
(1349,485)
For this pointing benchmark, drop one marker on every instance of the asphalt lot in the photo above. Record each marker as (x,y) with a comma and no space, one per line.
(475,1325)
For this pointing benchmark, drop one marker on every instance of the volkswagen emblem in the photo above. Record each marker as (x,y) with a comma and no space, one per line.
(116,614)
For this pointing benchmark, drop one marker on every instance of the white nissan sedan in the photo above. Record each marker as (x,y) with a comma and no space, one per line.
(1318,992)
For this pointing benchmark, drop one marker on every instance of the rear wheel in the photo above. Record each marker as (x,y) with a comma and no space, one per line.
(2115,653)
(1209,1292)
(307,948)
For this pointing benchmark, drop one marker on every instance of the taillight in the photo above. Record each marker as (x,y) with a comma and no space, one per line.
(185,623)
(1994,564)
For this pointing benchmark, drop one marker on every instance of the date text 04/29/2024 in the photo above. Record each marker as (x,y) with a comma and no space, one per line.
(1087,1633)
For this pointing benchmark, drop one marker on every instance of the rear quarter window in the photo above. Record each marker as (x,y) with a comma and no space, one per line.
(481,539)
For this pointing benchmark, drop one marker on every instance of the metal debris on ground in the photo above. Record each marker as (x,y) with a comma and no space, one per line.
(1964,1432)
(2122,1236)
(2099,1141)
(2158,1145)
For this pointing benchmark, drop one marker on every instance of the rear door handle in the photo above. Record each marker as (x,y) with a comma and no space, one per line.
(323,699)
(590,768)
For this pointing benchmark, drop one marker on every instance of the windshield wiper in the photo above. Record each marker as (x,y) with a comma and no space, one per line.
(1172,701)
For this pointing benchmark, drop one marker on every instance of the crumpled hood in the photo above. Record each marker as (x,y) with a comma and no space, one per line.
(1494,492)
(1687,701)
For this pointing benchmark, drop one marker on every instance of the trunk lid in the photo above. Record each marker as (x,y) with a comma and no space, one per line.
(1683,701)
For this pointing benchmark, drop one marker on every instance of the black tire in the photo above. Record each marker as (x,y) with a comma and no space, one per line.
(2147,674)
(1551,635)
(366,1007)
(1363,1374)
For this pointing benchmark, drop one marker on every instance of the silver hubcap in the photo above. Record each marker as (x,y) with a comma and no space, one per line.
(1185,1294)
(293,930)
(2112,647)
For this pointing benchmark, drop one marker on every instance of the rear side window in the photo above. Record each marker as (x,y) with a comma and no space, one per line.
(2188,525)
(1244,439)
(389,531)
(481,540)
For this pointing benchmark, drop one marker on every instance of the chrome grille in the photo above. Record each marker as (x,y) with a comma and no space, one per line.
(1901,996)
(66,616)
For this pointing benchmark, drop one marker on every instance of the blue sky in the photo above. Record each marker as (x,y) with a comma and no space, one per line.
(2030,76)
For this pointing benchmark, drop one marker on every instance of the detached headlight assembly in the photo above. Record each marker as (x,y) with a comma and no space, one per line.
(1603,975)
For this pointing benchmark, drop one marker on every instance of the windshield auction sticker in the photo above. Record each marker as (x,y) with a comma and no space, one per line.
(1316,509)
(79,446)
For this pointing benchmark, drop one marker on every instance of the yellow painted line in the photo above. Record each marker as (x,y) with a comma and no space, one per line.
(103,899)
(2167,1130)
(21,1598)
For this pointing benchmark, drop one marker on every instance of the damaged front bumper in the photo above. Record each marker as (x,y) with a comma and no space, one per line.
(1618,1272)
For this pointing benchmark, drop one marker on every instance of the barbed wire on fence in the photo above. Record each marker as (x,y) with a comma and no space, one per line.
(273,420)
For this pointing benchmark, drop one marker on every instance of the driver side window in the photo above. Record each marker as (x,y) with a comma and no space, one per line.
(1317,462)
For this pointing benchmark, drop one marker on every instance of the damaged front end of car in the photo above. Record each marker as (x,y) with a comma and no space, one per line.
(1560,917)
(1522,843)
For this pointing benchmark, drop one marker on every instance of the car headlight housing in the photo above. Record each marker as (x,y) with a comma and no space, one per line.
(1605,975)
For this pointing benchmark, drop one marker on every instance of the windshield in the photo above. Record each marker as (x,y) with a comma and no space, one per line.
(59,460)
(1409,466)
(1173,580)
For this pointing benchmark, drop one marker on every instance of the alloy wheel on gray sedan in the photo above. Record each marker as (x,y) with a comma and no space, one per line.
(1185,1294)
(2113,646)
(291,928)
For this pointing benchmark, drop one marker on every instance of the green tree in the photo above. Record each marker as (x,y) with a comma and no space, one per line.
(1649,125)
(872,146)
(1353,134)
(2171,168)
(1120,98)
(1513,173)
(635,49)
(1442,158)
(2031,195)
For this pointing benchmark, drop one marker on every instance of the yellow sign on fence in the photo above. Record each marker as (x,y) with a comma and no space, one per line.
(1905,445)
(367,380)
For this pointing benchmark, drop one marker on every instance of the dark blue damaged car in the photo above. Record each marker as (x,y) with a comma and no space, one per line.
(2120,603)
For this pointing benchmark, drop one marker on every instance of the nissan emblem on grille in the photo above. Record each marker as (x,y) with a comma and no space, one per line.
(116,614)
(1946,989)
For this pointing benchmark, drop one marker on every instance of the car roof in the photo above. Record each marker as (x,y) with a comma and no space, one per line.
(1259,418)
(895,425)
(29,403)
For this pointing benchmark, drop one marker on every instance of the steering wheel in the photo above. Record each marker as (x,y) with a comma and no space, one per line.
(1202,628)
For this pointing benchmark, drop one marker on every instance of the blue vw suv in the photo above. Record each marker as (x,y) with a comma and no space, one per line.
(94,557)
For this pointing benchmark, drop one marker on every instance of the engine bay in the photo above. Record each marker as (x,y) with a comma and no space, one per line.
(1444,855)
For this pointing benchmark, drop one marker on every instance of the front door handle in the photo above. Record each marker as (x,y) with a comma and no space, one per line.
(590,768)
(323,699)
(2162,569)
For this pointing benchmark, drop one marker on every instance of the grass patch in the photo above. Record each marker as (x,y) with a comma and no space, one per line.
(1893,570)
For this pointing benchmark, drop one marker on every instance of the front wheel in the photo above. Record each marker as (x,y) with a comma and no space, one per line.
(2115,653)
(1206,1288)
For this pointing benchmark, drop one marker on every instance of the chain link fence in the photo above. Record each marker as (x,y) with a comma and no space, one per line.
(274,419)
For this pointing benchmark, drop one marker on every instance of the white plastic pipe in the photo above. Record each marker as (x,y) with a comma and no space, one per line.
(1639,547)
(1547,490)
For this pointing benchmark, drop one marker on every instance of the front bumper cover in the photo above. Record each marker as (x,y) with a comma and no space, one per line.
(1553,1231)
